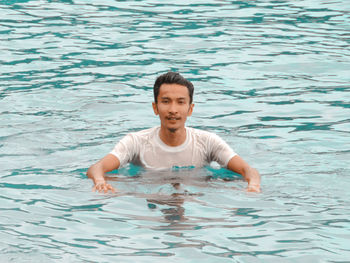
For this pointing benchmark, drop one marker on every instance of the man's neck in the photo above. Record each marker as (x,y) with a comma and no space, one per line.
(173,138)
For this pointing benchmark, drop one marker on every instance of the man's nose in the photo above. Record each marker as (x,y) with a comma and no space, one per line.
(173,108)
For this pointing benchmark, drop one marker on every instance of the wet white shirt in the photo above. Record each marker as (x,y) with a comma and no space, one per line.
(145,148)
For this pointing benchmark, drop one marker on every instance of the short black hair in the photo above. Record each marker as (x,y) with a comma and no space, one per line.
(172,78)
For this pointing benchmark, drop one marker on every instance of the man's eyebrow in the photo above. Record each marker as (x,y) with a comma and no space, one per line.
(168,98)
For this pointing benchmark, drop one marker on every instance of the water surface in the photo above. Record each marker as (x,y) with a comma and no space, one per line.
(271,78)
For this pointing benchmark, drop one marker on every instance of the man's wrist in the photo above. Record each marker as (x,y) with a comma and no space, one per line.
(99,181)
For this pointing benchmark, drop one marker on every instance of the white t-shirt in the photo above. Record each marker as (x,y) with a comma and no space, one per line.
(145,148)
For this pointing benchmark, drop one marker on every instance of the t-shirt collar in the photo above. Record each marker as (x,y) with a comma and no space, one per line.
(168,148)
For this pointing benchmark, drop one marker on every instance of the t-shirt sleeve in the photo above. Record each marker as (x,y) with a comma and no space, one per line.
(219,150)
(126,149)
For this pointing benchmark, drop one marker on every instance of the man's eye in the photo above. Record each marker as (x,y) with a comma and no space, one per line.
(165,101)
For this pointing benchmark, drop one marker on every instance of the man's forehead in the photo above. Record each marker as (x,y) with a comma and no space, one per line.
(172,89)
(172,85)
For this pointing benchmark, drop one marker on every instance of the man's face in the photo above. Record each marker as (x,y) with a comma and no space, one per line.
(173,106)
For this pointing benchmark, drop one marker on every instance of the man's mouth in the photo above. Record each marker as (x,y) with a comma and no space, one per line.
(172,118)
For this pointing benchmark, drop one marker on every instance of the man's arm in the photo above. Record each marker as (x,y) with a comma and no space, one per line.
(97,172)
(251,175)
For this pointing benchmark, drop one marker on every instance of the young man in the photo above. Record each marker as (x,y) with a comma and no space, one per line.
(172,144)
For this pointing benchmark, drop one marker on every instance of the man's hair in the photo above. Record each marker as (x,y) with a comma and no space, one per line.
(172,78)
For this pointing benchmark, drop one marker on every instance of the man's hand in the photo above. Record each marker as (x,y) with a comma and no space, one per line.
(253,188)
(251,175)
(97,171)
(103,187)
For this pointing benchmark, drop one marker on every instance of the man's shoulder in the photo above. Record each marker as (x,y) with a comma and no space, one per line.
(200,133)
(144,132)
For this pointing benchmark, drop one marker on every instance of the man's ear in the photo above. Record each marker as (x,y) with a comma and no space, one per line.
(190,110)
(155,109)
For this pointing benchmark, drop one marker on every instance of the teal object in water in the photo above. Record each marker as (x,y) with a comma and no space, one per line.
(271,78)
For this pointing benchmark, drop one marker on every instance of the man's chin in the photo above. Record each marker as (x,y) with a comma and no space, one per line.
(172,130)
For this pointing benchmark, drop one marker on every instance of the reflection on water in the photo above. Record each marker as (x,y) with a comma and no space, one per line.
(166,189)
(271,78)
(175,212)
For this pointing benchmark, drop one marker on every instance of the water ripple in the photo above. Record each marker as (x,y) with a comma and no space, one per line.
(271,78)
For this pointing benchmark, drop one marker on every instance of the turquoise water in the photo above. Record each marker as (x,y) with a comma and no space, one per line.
(271,78)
